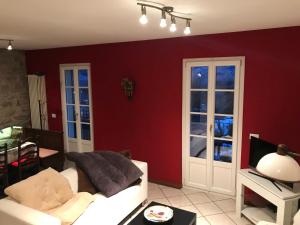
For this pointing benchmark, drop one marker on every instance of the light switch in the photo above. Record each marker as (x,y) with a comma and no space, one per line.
(53,115)
(253,135)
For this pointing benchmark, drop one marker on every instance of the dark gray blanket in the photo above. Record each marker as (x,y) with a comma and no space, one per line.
(108,171)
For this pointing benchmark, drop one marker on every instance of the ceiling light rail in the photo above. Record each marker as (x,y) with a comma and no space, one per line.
(9,44)
(165,10)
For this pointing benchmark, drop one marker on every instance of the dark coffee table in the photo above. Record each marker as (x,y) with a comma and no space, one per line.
(180,217)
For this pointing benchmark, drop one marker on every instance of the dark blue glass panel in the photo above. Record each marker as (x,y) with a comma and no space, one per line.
(72,133)
(223,151)
(71,113)
(83,78)
(85,132)
(199,101)
(223,126)
(198,147)
(199,77)
(84,114)
(198,124)
(225,77)
(70,96)
(84,96)
(69,78)
(224,102)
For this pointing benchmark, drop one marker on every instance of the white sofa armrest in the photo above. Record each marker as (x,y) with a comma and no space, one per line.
(143,166)
(13,213)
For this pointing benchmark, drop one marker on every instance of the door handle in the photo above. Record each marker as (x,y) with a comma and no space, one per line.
(210,128)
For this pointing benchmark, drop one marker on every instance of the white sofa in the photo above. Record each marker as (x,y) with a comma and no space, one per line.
(106,211)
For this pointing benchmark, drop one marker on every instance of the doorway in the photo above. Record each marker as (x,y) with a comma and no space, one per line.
(76,101)
(212,122)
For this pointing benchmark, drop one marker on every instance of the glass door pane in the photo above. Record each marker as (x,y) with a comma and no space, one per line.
(198,111)
(223,116)
(84,104)
(70,103)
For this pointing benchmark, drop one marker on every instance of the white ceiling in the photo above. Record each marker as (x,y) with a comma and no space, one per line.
(36,24)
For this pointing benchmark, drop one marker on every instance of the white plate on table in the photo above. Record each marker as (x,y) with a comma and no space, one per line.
(158,213)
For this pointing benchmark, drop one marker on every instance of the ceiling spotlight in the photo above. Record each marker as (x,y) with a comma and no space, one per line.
(173,24)
(143,18)
(163,20)
(187,29)
(165,12)
(9,46)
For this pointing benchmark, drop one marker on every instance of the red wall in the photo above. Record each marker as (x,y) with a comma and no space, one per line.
(150,124)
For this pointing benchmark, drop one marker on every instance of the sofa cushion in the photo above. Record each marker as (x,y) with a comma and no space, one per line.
(46,190)
(73,208)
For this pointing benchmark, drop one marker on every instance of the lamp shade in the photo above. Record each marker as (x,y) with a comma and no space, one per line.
(279,167)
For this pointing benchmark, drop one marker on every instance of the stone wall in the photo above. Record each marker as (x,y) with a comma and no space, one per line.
(14,97)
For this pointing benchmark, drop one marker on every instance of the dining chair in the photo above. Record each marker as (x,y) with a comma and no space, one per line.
(28,162)
(3,168)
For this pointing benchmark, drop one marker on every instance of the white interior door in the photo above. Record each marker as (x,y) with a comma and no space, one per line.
(77,107)
(211,106)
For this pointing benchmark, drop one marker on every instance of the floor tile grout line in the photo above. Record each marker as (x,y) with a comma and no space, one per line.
(194,204)
(223,212)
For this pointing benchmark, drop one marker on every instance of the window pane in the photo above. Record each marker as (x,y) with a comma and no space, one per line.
(72,130)
(85,132)
(70,96)
(224,102)
(223,151)
(84,114)
(198,124)
(198,147)
(199,101)
(69,79)
(84,96)
(83,78)
(223,126)
(71,113)
(225,77)
(199,77)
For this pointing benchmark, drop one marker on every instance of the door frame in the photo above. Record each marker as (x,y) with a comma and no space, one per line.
(62,67)
(185,93)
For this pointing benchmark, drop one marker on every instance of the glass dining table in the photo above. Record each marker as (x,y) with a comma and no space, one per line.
(12,150)
(10,136)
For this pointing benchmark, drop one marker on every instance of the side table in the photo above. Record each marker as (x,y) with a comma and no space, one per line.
(285,200)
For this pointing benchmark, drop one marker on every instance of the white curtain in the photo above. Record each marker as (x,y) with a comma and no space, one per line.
(37,96)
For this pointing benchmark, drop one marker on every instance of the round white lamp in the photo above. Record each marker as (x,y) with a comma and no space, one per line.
(280,165)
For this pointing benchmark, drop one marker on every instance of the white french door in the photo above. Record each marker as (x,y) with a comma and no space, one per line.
(76,99)
(212,110)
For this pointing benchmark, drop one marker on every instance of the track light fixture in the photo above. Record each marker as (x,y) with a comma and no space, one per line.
(143,18)
(173,24)
(163,21)
(9,45)
(187,29)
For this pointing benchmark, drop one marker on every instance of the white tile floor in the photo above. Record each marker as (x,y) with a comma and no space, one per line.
(211,208)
